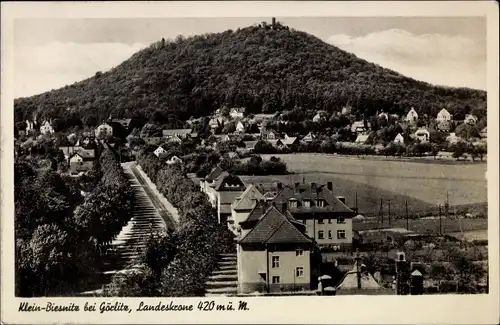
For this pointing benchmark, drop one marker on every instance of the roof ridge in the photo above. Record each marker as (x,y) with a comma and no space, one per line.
(259,221)
(277,228)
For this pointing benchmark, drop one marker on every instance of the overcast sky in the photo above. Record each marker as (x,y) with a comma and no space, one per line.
(447,51)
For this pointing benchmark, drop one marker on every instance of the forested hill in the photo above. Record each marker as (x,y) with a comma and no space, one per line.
(262,68)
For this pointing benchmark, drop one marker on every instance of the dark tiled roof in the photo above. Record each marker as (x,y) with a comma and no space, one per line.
(227,182)
(302,192)
(214,174)
(274,228)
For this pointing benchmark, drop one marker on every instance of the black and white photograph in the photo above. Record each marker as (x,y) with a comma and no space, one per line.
(240,157)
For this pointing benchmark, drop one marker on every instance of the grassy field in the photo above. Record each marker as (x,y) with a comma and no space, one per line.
(429,226)
(429,183)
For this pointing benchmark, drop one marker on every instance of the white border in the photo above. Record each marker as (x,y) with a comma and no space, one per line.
(450,309)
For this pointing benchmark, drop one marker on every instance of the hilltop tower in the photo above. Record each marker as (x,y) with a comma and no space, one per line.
(273,24)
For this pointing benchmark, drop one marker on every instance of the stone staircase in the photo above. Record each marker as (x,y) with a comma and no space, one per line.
(224,280)
(127,247)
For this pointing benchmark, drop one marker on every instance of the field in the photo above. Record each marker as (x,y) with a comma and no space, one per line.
(423,186)
(453,227)
(465,183)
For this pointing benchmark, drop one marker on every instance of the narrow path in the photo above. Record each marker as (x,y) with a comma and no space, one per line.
(154,196)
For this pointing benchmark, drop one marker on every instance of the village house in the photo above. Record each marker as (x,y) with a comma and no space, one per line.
(237,112)
(159,151)
(309,137)
(176,133)
(125,122)
(46,128)
(422,135)
(346,110)
(444,126)
(269,135)
(412,116)
(318,117)
(470,119)
(215,122)
(358,127)
(327,218)
(227,187)
(250,145)
(399,139)
(104,130)
(30,126)
(383,116)
(288,141)
(273,255)
(453,138)
(443,116)
(173,160)
(240,127)
(81,161)
(70,150)
(208,183)
(361,138)
(242,206)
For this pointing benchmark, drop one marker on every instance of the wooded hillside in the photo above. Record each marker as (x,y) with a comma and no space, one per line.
(263,68)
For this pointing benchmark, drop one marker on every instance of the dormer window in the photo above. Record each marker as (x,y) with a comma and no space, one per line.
(320,203)
(307,204)
(292,203)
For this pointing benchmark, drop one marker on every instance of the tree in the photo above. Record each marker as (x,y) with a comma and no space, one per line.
(458,150)
(434,150)
(481,151)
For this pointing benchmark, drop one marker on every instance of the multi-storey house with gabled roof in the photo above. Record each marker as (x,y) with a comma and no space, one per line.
(327,218)
(274,254)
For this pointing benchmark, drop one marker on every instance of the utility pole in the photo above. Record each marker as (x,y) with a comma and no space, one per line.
(356,201)
(406,207)
(358,272)
(440,221)
(381,211)
(446,207)
(389,212)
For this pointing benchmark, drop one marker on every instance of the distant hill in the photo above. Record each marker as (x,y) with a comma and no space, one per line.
(264,68)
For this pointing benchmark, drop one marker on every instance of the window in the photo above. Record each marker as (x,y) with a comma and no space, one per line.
(307,204)
(276,261)
(329,220)
(341,234)
(329,234)
(340,220)
(299,252)
(299,272)
(320,221)
(276,279)
(321,234)
(320,203)
(293,203)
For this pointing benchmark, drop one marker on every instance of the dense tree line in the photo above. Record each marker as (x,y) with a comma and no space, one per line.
(178,263)
(262,69)
(63,224)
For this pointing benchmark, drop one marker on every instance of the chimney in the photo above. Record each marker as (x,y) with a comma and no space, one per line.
(329,185)
(313,186)
(279,186)
(283,207)
(341,198)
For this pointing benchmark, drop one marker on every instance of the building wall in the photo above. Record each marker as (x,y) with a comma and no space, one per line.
(45,129)
(251,263)
(313,227)
(239,216)
(78,165)
(104,128)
